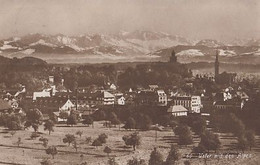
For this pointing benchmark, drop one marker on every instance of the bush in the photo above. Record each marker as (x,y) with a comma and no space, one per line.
(156,158)
(107,150)
(102,138)
(173,156)
(210,141)
(34,135)
(136,161)
(185,136)
(96,143)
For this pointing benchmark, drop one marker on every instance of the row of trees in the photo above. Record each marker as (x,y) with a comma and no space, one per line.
(156,158)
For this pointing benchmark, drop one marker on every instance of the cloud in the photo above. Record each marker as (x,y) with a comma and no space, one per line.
(218,19)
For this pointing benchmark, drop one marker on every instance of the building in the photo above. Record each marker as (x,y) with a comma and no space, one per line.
(223,78)
(112,87)
(216,65)
(191,103)
(67,106)
(41,94)
(178,110)
(51,79)
(162,98)
(153,87)
(173,57)
(48,105)
(120,100)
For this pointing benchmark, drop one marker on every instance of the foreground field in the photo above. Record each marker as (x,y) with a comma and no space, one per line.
(32,152)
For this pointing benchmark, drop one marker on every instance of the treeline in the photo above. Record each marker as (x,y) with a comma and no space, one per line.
(33,73)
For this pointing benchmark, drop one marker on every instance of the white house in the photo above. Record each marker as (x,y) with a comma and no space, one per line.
(162,98)
(177,110)
(108,98)
(121,100)
(112,86)
(41,94)
(67,106)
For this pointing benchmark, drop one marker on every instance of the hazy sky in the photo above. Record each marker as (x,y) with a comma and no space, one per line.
(216,19)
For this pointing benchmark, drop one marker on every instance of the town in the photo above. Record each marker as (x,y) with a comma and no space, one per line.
(161,103)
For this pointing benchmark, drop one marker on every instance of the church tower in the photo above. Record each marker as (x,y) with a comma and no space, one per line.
(216,65)
(173,57)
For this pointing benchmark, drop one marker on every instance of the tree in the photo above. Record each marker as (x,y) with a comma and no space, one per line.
(69,138)
(210,141)
(88,140)
(133,140)
(250,137)
(19,141)
(237,126)
(33,118)
(185,136)
(96,143)
(12,133)
(48,125)
(107,150)
(75,145)
(198,125)
(130,123)
(52,150)
(115,121)
(12,121)
(79,133)
(173,156)
(88,120)
(99,115)
(44,141)
(136,161)
(242,143)
(72,120)
(64,115)
(112,117)
(156,158)
(145,122)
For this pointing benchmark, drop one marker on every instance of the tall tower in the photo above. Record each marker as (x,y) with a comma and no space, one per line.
(216,65)
(173,57)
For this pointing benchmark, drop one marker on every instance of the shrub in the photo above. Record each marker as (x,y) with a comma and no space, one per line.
(96,143)
(156,158)
(107,150)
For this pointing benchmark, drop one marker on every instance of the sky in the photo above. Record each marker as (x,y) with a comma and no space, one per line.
(194,19)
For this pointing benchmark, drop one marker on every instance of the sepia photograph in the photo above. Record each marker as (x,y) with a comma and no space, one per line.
(129,82)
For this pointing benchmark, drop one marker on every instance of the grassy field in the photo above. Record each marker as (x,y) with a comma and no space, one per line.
(32,152)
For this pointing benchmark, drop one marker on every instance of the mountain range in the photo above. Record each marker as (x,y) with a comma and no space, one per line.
(147,44)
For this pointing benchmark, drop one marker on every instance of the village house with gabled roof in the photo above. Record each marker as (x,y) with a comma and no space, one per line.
(178,110)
